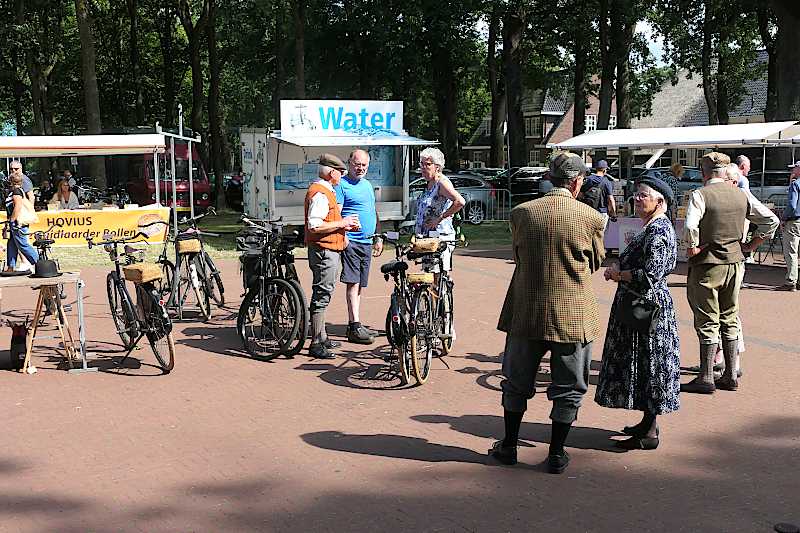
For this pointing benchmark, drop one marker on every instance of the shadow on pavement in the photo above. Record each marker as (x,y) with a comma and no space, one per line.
(491,427)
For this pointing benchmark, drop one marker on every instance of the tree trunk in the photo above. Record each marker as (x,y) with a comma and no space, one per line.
(764,15)
(299,12)
(513,28)
(194,32)
(722,82)
(623,87)
(608,60)
(706,56)
(134,49)
(788,64)
(496,136)
(280,60)
(90,92)
(446,93)
(168,53)
(214,112)
(579,89)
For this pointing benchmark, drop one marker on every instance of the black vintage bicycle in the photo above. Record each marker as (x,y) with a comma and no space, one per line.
(148,317)
(273,317)
(194,271)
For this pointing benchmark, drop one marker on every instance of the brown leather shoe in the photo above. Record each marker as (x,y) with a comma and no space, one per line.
(698,386)
(725,383)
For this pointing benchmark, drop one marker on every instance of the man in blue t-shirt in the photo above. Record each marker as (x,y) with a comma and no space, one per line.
(356,196)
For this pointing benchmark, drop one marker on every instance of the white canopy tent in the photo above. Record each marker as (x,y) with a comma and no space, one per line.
(724,136)
(763,135)
(80,145)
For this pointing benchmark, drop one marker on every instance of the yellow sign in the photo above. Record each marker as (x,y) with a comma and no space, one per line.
(73,228)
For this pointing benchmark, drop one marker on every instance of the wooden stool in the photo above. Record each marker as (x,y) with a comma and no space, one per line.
(50,294)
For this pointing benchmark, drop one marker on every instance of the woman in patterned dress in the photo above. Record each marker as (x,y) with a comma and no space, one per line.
(438,202)
(640,370)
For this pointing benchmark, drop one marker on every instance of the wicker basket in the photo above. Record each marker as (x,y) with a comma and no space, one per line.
(142,272)
(421,278)
(188,246)
(425,245)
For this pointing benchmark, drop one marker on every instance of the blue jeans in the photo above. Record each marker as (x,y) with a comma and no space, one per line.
(18,244)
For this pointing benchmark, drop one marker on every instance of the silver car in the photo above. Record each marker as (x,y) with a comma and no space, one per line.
(479,195)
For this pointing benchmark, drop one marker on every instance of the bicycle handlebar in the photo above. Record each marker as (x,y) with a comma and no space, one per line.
(138,235)
(193,221)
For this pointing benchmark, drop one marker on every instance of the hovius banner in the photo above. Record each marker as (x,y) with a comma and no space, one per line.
(79,225)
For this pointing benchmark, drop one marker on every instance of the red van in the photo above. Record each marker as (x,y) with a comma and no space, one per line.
(142,186)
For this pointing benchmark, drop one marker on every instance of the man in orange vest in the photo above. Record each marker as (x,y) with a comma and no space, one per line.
(325,239)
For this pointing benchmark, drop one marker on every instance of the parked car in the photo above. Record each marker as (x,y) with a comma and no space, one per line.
(774,189)
(480,196)
(486,172)
(522,183)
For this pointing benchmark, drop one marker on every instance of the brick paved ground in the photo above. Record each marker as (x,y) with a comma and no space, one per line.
(226,443)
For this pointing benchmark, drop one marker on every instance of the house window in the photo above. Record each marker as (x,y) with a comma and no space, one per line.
(533,126)
(535,158)
(591,123)
(477,155)
(486,125)
(612,122)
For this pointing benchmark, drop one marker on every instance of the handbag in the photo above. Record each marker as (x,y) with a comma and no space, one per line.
(637,311)
(27,214)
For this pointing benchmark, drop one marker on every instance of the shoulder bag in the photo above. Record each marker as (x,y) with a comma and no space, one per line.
(637,311)
(27,214)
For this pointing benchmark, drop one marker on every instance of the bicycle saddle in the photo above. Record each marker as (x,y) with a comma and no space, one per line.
(131,249)
(394,266)
(38,243)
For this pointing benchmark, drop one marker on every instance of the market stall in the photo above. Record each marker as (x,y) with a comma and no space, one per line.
(763,135)
(279,165)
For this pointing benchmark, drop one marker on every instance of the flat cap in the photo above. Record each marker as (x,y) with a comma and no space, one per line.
(717,159)
(567,165)
(330,160)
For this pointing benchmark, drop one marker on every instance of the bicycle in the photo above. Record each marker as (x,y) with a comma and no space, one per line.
(195,268)
(273,318)
(409,323)
(430,252)
(148,317)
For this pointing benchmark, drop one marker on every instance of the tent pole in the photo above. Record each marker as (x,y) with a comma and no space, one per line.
(763,171)
(190,149)
(174,192)
(156,176)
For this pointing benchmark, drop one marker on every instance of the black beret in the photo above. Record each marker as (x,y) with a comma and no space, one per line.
(659,185)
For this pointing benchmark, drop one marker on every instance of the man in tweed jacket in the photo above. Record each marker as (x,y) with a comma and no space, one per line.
(550,306)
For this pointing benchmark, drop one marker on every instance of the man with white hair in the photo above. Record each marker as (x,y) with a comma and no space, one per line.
(325,238)
(356,197)
(743,162)
(713,231)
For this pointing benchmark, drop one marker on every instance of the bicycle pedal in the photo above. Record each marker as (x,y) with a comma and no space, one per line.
(67,308)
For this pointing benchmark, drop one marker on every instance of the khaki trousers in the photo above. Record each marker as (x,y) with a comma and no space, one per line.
(713,293)
(791,250)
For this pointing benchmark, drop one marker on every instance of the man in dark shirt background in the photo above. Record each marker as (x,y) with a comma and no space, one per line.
(598,191)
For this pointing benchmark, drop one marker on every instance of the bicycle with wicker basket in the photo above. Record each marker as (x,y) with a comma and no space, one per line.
(148,317)
(409,319)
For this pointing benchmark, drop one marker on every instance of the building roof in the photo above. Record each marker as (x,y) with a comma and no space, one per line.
(538,102)
(683,104)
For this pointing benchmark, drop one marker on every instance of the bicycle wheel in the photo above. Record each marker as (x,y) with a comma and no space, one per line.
(422,334)
(214,281)
(198,281)
(121,312)
(397,335)
(446,319)
(304,318)
(268,319)
(159,327)
(167,277)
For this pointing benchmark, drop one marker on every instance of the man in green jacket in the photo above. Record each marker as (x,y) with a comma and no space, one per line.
(550,306)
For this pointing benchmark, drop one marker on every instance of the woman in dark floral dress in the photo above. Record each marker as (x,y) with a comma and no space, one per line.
(641,371)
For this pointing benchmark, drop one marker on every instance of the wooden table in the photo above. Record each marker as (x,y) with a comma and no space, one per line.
(49,291)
